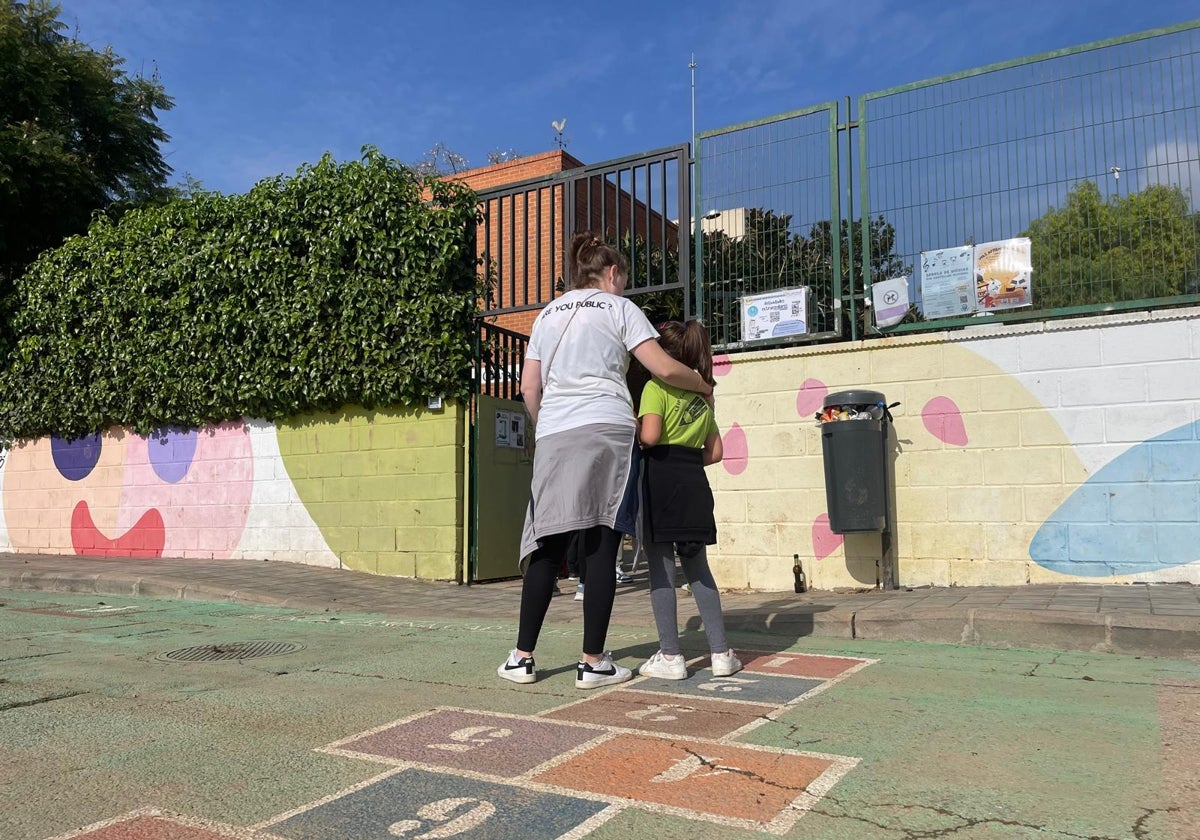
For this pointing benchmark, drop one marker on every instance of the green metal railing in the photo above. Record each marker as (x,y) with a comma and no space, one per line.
(766,213)
(1092,153)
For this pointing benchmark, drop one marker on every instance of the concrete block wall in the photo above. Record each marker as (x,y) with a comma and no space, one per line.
(379,491)
(1063,450)
(384,487)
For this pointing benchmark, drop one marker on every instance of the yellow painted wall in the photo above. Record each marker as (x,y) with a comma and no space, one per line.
(1035,476)
(384,487)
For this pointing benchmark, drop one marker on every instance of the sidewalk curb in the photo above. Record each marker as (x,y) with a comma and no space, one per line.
(1124,633)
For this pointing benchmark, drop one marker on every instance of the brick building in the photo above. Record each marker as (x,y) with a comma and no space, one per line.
(525,230)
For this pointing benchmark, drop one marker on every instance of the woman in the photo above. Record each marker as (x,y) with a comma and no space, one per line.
(573,385)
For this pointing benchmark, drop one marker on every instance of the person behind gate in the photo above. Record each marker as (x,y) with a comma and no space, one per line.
(679,432)
(573,385)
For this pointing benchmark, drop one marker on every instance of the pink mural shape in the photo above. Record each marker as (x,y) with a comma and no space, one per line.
(944,421)
(812,395)
(824,541)
(722,364)
(737,454)
(176,493)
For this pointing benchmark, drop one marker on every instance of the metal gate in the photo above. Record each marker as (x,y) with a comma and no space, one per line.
(639,204)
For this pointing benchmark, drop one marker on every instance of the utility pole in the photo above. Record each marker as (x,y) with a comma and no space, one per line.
(692,67)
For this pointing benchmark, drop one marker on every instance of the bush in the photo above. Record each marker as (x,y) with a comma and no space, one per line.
(349,283)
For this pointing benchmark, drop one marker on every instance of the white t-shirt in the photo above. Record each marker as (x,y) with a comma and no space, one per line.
(583,381)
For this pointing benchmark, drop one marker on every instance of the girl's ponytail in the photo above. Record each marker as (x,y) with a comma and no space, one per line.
(698,349)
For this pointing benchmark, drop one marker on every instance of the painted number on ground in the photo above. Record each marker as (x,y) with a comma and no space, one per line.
(450,818)
(727,684)
(659,713)
(472,737)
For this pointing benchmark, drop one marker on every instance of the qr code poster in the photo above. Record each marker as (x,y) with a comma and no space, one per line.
(775,314)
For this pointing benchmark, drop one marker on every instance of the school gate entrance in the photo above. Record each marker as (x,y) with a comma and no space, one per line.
(640,205)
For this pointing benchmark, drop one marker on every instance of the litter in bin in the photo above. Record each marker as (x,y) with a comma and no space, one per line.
(859,411)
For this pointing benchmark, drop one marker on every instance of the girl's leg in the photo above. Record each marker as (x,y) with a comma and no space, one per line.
(660,557)
(708,599)
(538,588)
(599,546)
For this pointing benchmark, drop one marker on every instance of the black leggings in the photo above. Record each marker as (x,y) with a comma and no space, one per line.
(598,546)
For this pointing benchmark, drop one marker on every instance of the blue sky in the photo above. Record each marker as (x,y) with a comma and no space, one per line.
(262,86)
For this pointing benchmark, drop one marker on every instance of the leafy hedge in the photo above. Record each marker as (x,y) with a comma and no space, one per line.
(347,283)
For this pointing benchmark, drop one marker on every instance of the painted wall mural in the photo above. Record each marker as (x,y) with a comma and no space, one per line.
(376,491)
(1138,513)
(1038,455)
(178,493)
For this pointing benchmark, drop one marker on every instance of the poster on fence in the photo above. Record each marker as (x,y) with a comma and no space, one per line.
(889,300)
(783,312)
(948,282)
(1003,271)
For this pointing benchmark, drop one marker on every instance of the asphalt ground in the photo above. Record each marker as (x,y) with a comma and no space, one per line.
(377,724)
(1139,619)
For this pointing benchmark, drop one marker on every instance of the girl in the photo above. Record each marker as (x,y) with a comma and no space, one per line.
(573,384)
(679,432)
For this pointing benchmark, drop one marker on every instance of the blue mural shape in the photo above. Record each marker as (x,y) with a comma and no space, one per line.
(171,453)
(415,803)
(75,459)
(1139,513)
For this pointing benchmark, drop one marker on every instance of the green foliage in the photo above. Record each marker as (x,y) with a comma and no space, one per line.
(347,283)
(1136,247)
(77,134)
(769,256)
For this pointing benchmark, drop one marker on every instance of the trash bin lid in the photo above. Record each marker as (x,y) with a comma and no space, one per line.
(854,397)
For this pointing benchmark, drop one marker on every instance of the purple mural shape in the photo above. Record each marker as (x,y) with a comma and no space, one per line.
(171,453)
(75,459)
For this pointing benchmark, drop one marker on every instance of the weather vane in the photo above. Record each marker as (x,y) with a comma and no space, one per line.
(559,126)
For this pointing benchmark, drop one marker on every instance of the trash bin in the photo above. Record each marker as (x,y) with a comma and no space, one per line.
(854,432)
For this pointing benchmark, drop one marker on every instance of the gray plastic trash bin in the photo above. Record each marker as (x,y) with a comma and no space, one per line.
(855,452)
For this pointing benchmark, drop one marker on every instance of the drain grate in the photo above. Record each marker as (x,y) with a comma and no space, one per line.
(231,651)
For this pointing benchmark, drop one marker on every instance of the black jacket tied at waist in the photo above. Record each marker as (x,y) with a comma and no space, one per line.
(679,502)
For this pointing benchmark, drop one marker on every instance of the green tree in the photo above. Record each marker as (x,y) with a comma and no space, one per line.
(77,134)
(769,256)
(1092,251)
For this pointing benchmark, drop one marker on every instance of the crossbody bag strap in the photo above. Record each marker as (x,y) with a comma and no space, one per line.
(561,336)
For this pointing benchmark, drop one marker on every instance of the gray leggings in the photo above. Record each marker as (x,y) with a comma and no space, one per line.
(661,559)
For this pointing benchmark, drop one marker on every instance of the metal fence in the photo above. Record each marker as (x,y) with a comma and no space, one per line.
(633,203)
(1092,153)
(767,211)
(499,354)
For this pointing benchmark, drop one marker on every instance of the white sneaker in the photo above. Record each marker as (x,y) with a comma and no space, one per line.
(579,592)
(518,669)
(725,664)
(604,672)
(664,669)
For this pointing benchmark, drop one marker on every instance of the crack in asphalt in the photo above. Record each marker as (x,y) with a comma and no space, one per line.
(967,823)
(712,764)
(38,701)
(33,656)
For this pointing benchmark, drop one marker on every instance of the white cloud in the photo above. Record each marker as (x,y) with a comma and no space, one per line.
(629,123)
(1175,163)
